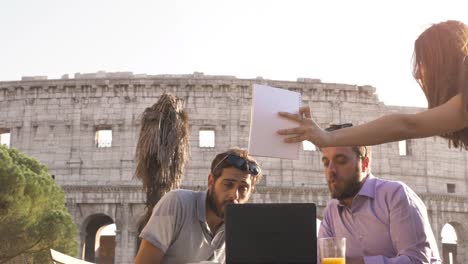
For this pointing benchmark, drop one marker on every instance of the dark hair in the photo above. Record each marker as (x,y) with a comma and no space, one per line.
(440,65)
(220,162)
(361,151)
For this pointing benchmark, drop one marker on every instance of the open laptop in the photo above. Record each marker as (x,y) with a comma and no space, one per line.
(271,233)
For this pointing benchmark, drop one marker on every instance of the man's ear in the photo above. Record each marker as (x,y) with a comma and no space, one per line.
(253,188)
(365,163)
(211,181)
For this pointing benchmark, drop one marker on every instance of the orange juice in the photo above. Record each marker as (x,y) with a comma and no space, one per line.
(333,261)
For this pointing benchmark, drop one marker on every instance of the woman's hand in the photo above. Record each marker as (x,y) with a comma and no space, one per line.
(307,129)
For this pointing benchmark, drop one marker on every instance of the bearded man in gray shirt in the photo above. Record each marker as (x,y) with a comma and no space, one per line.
(188,226)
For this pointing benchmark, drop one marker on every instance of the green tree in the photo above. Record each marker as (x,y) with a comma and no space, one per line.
(33,215)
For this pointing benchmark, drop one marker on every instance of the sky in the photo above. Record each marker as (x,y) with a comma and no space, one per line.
(353,42)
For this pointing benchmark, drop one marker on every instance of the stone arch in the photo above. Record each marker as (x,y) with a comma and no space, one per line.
(462,240)
(105,248)
(458,222)
(460,229)
(89,227)
(448,250)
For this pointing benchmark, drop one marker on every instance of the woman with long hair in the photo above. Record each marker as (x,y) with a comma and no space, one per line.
(441,69)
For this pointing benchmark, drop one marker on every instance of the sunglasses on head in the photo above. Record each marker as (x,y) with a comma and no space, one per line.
(240,163)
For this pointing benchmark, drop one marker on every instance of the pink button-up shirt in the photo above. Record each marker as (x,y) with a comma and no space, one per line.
(387,223)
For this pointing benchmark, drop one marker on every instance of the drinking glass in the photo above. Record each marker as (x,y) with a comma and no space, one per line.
(332,250)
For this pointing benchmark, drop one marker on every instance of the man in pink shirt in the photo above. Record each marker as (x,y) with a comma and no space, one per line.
(384,222)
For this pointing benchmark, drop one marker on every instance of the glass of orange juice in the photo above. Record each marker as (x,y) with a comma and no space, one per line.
(332,250)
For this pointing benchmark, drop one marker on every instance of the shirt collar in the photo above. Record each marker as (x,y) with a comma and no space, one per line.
(368,188)
(201,206)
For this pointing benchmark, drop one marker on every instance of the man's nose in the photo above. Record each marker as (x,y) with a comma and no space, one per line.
(234,194)
(331,170)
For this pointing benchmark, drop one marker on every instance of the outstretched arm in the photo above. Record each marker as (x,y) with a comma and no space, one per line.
(448,117)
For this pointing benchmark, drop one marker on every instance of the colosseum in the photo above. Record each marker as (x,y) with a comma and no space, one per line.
(60,121)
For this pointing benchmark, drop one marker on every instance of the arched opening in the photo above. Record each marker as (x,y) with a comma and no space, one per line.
(104,248)
(96,243)
(449,244)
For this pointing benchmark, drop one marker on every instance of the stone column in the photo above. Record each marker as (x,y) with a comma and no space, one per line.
(75,161)
(335,109)
(462,251)
(123,252)
(81,235)
(27,131)
(118,246)
(433,211)
(466,171)
(81,238)
(132,244)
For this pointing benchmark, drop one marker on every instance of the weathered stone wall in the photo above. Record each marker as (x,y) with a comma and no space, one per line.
(55,121)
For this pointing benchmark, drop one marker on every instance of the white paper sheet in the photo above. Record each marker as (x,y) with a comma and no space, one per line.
(267,101)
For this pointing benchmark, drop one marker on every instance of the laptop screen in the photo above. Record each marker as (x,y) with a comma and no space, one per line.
(271,233)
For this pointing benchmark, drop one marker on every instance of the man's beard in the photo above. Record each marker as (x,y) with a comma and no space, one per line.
(350,188)
(212,204)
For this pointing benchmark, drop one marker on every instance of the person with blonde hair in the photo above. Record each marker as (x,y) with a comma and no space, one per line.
(441,69)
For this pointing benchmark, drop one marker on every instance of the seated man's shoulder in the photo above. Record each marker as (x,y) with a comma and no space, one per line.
(390,185)
(332,203)
(393,187)
(183,195)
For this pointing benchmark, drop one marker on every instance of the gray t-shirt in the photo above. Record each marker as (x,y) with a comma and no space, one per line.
(178,227)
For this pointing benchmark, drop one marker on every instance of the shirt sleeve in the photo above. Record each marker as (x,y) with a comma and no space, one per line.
(325,229)
(409,228)
(164,222)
